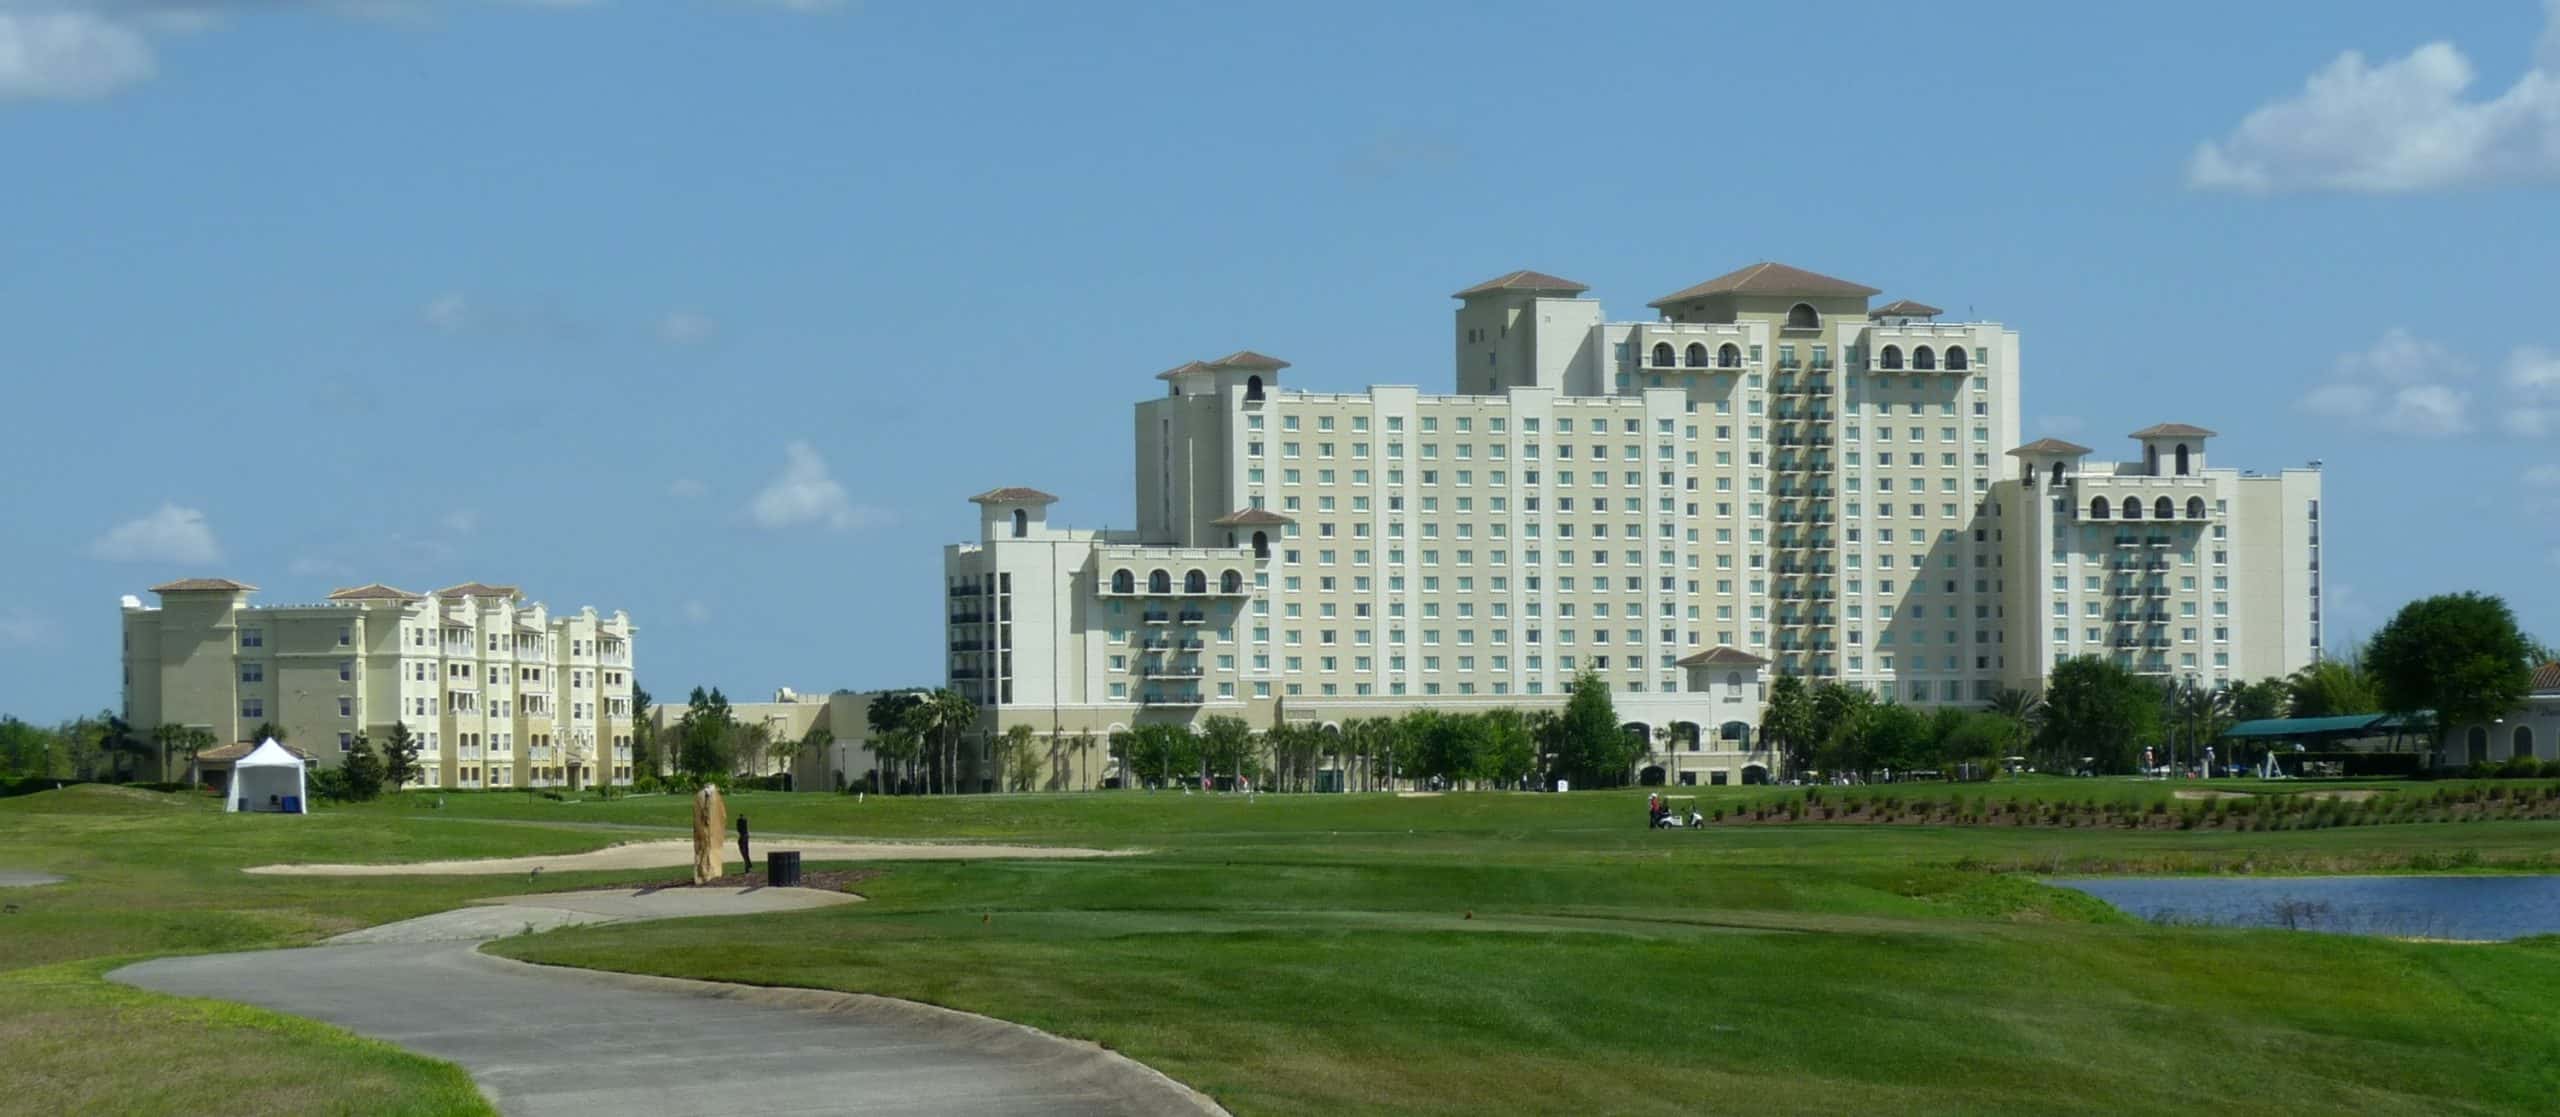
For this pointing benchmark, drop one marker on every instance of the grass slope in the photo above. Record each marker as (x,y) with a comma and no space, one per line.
(1469,953)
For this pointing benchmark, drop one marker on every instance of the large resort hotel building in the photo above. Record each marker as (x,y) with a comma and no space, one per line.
(497,691)
(1772,478)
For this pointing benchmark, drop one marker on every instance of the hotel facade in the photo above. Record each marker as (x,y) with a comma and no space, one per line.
(1773,477)
(499,692)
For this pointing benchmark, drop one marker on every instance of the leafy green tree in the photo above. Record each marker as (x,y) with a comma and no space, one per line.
(360,772)
(1888,737)
(2330,688)
(1786,723)
(1591,748)
(1507,749)
(1225,742)
(2459,655)
(2098,710)
(1446,747)
(1979,739)
(705,737)
(269,731)
(2258,701)
(399,756)
(645,762)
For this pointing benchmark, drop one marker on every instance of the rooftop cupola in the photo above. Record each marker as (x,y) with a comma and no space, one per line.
(2172,449)
(1012,512)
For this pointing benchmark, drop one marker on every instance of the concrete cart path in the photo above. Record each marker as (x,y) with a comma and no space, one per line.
(543,1041)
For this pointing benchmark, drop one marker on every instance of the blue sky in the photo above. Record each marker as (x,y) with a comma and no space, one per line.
(650,305)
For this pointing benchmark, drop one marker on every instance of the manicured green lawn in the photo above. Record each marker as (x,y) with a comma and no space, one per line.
(1469,953)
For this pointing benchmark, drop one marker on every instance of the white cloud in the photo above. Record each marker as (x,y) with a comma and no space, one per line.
(686,327)
(696,612)
(22,629)
(171,534)
(2543,477)
(450,313)
(2404,125)
(68,54)
(2404,384)
(686,488)
(805,493)
(2533,383)
(461,521)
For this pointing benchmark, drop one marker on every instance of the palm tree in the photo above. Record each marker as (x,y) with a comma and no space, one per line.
(167,737)
(952,714)
(2023,709)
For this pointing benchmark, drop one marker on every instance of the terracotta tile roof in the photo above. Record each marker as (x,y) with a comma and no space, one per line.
(1905,308)
(2171,430)
(1723,656)
(374,591)
(1766,278)
(1251,517)
(1014,494)
(479,589)
(2546,677)
(227,753)
(1525,280)
(1177,370)
(1247,358)
(202,585)
(2050,446)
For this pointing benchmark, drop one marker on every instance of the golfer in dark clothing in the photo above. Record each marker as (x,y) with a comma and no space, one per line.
(743,855)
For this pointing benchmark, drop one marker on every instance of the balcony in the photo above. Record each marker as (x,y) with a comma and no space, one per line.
(1194,616)
(968,618)
(1155,616)
(1172,671)
(1169,698)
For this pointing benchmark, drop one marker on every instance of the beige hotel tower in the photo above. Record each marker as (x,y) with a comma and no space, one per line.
(498,691)
(1773,476)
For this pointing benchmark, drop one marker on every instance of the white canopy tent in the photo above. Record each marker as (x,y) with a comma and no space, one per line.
(270,778)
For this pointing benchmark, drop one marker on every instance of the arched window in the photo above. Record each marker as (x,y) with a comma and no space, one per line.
(2182,459)
(2097,508)
(2161,509)
(1730,356)
(2057,473)
(1891,357)
(1662,354)
(1252,389)
(1733,684)
(1021,523)
(1261,545)
(1955,358)
(1195,582)
(2195,508)
(2133,508)
(1696,357)
(1159,582)
(1924,358)
(1123,582)
(2523,747)
(1231,582)
(2027,473)
(1803,317)
(2476,744)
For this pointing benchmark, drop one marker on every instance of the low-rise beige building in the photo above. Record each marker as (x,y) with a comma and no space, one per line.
(498,691)
(787,720)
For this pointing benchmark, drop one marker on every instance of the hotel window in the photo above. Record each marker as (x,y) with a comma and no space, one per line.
(253,638)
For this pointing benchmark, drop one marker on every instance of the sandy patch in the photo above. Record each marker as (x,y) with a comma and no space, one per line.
(2355,796)
(1417,795)
(665,854)
(2199,794)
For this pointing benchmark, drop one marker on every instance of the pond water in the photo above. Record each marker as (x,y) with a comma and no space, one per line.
(2481,907)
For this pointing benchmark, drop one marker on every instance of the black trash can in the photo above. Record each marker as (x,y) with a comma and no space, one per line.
(782,868)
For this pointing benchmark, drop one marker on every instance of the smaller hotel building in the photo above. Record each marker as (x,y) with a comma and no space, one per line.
(498,691)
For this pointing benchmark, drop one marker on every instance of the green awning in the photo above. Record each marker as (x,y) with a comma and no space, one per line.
(2345,726)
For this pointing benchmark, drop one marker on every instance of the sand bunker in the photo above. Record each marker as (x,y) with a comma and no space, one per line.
(2350,796)
(660,855)
(1417,795)
(2191,793)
